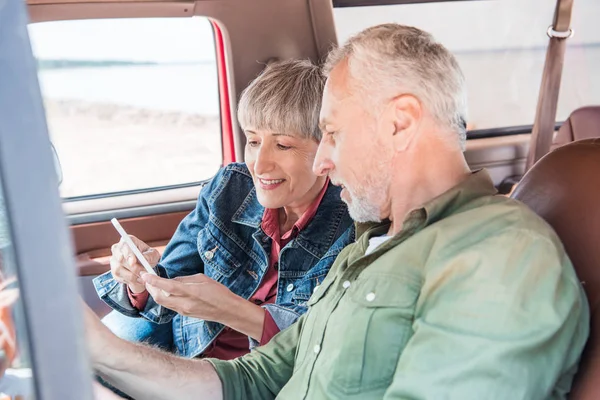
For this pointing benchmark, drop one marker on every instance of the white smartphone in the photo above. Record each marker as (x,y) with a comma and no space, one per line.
(135,250)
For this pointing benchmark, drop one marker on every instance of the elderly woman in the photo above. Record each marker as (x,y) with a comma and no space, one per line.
(264,234)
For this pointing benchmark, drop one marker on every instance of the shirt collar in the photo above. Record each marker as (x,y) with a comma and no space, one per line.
(478,184)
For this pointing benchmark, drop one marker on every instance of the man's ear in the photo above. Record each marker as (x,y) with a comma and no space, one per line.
(407,119)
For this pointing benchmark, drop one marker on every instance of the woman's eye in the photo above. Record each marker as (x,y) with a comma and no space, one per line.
(253,143)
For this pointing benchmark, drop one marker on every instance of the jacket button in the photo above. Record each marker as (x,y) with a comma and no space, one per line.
(209,255)
(370,296)
(290,287)
(315,289)
(346,284)
(317,349)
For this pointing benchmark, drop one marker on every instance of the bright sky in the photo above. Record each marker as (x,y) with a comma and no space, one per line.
(144,39)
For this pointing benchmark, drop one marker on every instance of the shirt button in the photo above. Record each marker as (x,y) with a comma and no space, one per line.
(276,266)
(209,255)
(317,349)
(290,287)
(346,284)
(370,296)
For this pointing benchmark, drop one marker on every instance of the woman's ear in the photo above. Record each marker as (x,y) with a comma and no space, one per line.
(407,120)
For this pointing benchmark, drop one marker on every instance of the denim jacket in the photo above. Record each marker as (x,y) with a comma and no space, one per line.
(223,239)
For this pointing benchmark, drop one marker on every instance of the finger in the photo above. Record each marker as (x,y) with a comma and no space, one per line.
(137,269)
(192,279)
(170,286)
(128,277)
(163,298)
(116,268)
(142,246)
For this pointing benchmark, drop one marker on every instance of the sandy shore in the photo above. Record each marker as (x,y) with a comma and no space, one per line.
(107,147)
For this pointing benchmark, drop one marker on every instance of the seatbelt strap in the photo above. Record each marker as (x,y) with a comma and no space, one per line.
(545,115)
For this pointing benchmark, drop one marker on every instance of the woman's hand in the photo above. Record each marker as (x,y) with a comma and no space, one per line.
(126,268)
(200,297)
(195,296)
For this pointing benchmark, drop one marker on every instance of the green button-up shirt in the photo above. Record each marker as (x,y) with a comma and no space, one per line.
(474,299)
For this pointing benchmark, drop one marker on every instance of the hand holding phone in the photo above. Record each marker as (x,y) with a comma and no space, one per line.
(140,257)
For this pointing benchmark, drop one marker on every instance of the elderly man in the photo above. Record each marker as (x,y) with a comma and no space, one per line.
(449,292)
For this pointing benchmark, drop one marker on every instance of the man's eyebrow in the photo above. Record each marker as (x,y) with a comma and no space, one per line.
(282,134)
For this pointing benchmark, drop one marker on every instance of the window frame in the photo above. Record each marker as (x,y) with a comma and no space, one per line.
(366,3)
(39,237)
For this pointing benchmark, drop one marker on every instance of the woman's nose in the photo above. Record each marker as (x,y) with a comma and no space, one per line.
(263,162)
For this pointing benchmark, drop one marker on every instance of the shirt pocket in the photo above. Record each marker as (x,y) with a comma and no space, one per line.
(380,311)
(219,263)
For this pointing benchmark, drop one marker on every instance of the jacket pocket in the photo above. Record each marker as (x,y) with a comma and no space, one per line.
(221,262)
(307,286)
(379,310)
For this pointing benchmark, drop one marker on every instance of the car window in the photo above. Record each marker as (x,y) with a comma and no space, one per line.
(501,47)
(131,104)
(16,376)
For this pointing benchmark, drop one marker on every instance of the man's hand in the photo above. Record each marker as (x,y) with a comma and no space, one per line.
(126,268)
(144,372)
(98,336)
(195,296)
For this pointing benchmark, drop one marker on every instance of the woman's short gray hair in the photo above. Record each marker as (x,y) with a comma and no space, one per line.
(391,59)
(286,98)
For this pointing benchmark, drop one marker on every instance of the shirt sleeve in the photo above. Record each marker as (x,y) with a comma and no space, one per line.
(506,319)
(262,373)
(270,329)
(138,300)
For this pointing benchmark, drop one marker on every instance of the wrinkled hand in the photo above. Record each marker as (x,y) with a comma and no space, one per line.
(195,296)
(126,268)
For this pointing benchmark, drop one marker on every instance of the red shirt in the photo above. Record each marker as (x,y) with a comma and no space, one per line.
(230,344)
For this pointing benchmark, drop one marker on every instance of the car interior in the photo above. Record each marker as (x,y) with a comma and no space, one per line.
(245,35)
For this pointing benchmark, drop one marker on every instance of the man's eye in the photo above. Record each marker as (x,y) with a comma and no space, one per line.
(282,147)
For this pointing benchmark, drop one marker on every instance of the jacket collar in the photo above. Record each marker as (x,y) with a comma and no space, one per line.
(320,233)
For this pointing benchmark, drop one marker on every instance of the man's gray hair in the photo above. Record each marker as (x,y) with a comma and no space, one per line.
(284,98)
(390,59)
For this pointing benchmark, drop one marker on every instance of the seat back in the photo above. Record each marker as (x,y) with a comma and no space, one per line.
(564,189)
(583,123)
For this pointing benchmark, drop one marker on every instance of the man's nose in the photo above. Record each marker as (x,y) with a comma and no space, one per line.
(322,164)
